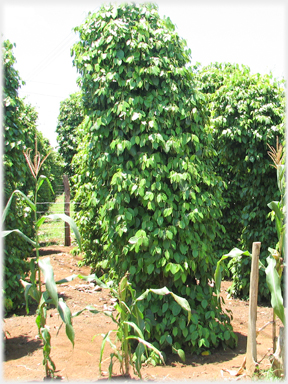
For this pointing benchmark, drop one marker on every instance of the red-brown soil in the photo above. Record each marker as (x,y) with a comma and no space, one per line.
(22,355)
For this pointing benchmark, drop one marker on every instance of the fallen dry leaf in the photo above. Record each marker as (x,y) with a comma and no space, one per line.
(240,371)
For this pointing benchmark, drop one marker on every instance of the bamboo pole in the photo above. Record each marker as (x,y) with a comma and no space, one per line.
(67,209)
(251,352)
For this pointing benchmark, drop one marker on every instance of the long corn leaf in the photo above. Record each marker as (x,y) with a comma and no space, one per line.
(70,221)
(61,306)
(40,222)
(6,210)
(113,346)
(280,177)
(139,352)
(147,344)
(165,291)
(66,316)
(234,254)
(30,290)
(6,233)
(276,207)
(274,284)
(83,277)
(89,308)
(136,328)
(48,273)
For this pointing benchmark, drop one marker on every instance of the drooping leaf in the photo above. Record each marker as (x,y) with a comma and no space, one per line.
(70,221)
(106,338)
(65,314)
(90,308)
(88,278)
(136,328)
(235,253)
(40,222)
(48,273)
(6,233)
(147,344)
(275,206)
(21,194)
(30,290)
(273,281)
(180,353)
(165,291)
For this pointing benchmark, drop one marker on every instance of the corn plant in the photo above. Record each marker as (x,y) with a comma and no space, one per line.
(276,258)
(278,208)
(38,266)
(131,326)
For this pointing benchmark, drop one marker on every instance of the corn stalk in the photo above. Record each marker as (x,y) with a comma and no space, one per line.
(38,266)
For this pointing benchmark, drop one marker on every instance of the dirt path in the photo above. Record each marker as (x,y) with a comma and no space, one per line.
(22,358)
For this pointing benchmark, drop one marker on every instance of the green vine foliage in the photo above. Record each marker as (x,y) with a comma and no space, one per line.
(19,130)
(247,113)
(149,198)
(70,117)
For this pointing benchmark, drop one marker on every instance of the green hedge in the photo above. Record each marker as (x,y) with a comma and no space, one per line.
(19,131)
(149,197)
(246,113)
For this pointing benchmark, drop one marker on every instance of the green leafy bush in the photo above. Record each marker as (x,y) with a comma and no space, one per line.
(247,113)
(149,198)
(70,116)
(19,131)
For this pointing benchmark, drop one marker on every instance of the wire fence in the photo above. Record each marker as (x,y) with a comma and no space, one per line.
(52,232)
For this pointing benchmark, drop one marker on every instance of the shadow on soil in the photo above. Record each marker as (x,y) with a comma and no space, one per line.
(122,378)
(218,355)
(17,347)
(47,251)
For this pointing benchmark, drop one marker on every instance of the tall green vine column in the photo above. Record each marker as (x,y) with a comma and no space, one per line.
(70,117)
(150,200)
(247,114)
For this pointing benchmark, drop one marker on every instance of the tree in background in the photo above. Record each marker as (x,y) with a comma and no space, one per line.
(19,132)
(149,198)
(70,116)
(246,114)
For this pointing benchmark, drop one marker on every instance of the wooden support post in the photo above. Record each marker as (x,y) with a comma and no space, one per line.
(67,209)
(251,352)
(274,336)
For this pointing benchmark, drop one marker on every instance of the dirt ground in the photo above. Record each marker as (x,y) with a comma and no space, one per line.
(22,354)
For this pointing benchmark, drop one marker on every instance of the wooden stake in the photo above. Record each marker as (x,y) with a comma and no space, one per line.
(274,336)
(67,209)
(251,352)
